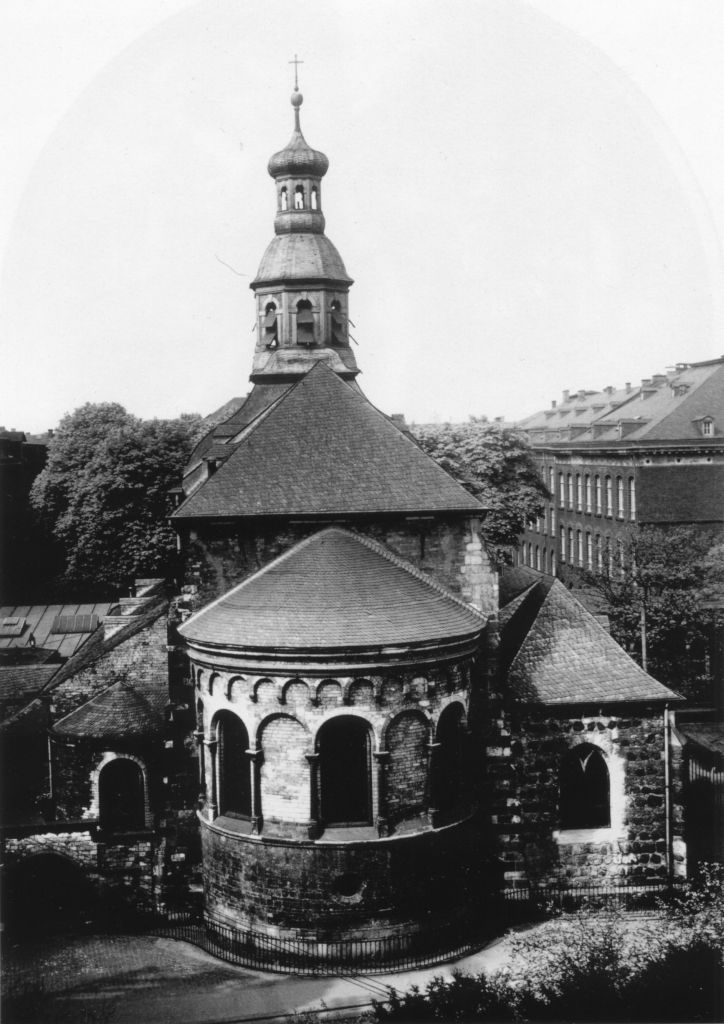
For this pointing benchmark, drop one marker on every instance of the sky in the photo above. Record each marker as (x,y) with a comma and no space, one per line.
(529,195)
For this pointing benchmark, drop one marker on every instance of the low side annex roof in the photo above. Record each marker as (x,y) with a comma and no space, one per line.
(324,449)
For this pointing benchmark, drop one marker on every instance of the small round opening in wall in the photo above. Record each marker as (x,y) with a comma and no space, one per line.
(347,884)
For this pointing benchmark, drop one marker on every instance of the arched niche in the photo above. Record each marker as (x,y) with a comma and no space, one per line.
(449,766)
(361,693)
(284,773)
(406,739)
(329,693)
(295,693)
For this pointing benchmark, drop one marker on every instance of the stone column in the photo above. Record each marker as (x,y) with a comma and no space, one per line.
(256,756)
(382,760)
(314,825)
(212,805)
(433,811)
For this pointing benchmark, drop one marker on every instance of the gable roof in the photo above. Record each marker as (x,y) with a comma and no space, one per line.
(335,589)
(557,653)
(324,449)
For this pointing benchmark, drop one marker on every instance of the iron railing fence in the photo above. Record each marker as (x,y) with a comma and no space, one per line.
(639,897)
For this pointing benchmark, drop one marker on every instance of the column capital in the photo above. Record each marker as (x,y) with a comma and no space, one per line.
(381,756)
(312,759)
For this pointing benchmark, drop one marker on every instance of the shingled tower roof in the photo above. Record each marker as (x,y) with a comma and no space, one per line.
(324,449)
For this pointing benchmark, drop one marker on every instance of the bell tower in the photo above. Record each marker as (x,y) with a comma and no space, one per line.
(301,287)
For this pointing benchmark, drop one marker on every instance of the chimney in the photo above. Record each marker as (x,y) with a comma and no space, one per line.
(609,389)
(554,404)
(566,395)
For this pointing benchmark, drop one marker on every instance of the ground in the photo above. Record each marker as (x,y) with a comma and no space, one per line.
(131,979)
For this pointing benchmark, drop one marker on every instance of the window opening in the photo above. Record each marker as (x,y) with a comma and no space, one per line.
(299,197)
(121,801)
(570,490)
(609,496)
(619,496)
(632,499)
(315,198)
(588,492)
(598,495)
(344,747)
(449,775)
(579,493)
(338,324)
(585,789)
(284,197)
(233,766)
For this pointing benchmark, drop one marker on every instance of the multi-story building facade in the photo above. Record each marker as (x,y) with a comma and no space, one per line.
(614,459)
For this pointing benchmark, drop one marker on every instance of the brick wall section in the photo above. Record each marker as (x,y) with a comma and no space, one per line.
(285,771)
(141,659)
(407,739)
(218,558)
(327,892)
(523,763)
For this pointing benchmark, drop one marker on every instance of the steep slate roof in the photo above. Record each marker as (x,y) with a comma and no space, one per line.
(30,720)
(21,682)
(120,710)
(100,644)
(334,590)
(558,653)
(324,449)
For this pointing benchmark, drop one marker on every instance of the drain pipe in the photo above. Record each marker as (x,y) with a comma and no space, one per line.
(667,797)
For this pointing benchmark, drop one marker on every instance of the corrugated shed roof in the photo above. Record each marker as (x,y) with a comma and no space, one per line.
(325,449)
(564,656)
(120,711)
(39,620)
(334,590)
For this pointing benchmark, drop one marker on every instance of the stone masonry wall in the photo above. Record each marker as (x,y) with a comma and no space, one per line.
(285,771)
(407,740)
(523,767)
(218,558)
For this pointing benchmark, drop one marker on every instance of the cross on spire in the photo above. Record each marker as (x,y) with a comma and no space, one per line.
(296,62)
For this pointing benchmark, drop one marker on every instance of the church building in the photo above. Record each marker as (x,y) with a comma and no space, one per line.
(347,725)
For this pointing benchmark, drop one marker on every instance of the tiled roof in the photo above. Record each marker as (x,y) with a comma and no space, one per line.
(666,407)
(99,644)
(30,720)
(324,449)
(119,711)
(334,590)
(21,682)
(559,654)
(707,735)
(39,620)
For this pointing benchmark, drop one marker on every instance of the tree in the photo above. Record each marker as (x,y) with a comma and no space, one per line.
(661,588)
(495,464)
(103,495)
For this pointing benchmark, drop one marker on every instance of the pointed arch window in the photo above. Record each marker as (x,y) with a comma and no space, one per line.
(585,789)
(299,197)
(271,325)
(305,323)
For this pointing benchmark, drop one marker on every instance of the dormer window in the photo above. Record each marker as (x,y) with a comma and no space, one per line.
(707,427)
(284,198)
(338,324)
(305,323)
(315,198)
(299,197)
(271,328)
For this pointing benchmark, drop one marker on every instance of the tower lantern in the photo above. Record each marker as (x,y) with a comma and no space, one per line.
(302,286)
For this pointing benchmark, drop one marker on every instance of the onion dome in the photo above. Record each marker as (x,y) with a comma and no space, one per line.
(298,159)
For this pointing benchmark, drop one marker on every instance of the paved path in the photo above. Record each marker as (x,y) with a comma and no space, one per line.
(163,981)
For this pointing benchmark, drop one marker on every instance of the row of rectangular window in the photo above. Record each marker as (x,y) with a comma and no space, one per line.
(591,494)
(578,549)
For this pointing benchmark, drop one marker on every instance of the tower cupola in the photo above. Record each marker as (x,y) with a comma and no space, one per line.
(302,285)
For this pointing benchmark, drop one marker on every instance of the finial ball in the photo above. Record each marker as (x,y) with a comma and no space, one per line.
(297,99)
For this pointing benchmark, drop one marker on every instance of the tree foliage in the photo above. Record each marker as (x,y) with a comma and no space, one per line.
(494,463)
(671,578)
(103,495)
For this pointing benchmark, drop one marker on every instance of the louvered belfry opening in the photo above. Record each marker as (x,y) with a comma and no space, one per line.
(305,323)
(345,755)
